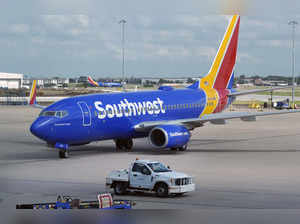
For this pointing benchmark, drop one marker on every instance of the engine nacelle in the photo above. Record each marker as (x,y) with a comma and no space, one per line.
(169,136)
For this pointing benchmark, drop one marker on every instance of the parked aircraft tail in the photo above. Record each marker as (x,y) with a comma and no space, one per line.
(92,82)
(32,96)
(221,71)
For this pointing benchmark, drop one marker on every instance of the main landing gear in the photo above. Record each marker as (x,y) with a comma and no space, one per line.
(181,149)
(124,144)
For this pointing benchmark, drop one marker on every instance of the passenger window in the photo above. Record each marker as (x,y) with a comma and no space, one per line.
(137,167)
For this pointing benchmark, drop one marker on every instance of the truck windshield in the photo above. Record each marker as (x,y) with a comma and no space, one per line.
(158,167)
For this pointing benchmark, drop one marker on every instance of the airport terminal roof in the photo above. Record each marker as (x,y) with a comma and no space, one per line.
(10,76)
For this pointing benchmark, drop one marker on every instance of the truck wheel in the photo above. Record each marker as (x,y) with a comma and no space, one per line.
(120,188)
(162,190)
(63,154)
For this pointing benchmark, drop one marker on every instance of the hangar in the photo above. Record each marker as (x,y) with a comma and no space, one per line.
(11,80)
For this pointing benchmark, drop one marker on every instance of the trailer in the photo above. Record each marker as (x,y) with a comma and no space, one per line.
(105,201)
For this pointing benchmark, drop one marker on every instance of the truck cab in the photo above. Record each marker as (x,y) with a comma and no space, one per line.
(150,176)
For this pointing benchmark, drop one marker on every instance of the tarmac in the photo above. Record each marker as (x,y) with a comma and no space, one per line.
(240,165)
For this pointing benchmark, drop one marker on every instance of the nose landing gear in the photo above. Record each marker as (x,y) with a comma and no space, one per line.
(124,144)
(63,150)
(63,154)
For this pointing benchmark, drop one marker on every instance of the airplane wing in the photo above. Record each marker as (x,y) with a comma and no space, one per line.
(253,91)
(218,118)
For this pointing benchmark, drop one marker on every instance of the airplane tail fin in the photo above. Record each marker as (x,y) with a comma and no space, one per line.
(32,96)
(221,72)
(92,82)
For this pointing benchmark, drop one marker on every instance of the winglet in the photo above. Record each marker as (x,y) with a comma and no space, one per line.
(92,82)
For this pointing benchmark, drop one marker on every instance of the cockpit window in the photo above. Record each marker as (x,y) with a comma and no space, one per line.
(48,113)
(59,114)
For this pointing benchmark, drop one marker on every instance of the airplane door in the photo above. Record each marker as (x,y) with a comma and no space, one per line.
(86,113)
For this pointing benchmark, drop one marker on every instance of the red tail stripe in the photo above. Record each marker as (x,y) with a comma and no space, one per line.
(229,61)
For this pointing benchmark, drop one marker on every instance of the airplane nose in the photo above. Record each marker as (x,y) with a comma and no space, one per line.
(40,129)
(34,129)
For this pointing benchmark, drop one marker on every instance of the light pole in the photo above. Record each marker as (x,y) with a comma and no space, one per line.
(293,24)
(123,21)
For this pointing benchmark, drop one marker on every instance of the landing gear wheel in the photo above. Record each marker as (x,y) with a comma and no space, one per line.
(120,188)
(183,148)
(119,144)
(162,190)
(124,144)
(63,154)
(128,144)
(173,149)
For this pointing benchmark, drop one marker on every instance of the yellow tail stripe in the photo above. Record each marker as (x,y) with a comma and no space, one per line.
(32,89)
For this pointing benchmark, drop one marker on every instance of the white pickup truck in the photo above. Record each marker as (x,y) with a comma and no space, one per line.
(150,176)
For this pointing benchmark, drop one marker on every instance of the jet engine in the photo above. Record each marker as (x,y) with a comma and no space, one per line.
(169,136)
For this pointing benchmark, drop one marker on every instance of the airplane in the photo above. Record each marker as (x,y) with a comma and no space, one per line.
(166,116)
(103,84)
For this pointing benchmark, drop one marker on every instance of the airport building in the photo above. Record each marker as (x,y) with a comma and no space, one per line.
(47,82)
(11,80)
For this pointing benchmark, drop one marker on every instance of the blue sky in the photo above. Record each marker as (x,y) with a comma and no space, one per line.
(169,38)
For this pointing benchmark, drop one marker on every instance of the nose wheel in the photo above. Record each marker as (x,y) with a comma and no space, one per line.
(63,154)
(124,144)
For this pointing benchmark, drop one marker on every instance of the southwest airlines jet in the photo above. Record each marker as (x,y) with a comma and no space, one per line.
(103,84)
(166,116)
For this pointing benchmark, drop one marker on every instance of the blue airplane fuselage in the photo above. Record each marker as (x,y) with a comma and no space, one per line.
(113,116)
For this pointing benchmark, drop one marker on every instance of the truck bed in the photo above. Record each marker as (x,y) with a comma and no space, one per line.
(118,175)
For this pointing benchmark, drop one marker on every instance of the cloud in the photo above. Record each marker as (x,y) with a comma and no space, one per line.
(274,43)
(69,36)
(66,24)
(20,28)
